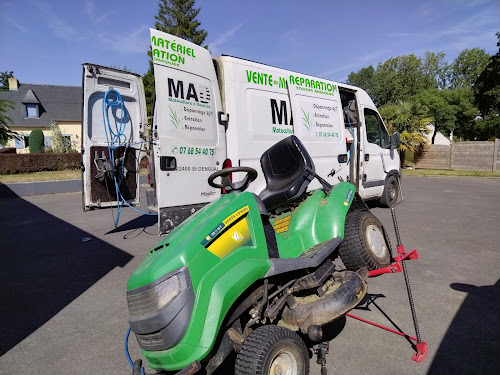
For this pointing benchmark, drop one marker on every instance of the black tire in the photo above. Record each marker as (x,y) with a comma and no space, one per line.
(271,346)
(365,242)
(391,192)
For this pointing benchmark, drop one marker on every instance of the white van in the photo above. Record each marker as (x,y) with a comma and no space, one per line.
(213,113)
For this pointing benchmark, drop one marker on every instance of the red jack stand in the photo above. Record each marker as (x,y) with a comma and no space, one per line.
(400,266)
(396,266)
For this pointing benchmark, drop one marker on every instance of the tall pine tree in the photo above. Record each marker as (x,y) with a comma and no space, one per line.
(175,17)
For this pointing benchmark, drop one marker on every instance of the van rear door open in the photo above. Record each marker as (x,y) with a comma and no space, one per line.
(189,140)
(99,175)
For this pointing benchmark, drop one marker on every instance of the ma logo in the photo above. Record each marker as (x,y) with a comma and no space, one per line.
(280,114)
(176,89)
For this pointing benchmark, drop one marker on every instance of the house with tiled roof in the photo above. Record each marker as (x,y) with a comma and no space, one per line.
(38,107)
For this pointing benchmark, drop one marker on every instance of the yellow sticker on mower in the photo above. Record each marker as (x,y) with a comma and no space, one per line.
(225,223)
(283,224)
(235,215)
(233,238)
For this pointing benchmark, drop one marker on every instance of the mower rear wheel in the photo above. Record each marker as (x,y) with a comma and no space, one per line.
(365,242)
(272,350)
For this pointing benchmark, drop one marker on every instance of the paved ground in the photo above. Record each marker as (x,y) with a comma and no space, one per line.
(63,276)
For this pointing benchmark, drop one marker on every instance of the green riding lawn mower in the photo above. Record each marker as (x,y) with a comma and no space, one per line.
(255,275)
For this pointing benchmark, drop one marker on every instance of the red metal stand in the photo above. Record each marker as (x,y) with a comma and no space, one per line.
(397,266)
(422,348)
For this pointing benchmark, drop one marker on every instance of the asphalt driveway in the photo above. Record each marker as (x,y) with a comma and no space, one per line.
(64,272)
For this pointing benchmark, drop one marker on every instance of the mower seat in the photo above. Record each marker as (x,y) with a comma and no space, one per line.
(283,166)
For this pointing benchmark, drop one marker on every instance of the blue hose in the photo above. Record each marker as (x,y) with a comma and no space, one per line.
(115,140)
(127,354)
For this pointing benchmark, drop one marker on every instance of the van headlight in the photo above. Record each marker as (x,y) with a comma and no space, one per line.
(148,300)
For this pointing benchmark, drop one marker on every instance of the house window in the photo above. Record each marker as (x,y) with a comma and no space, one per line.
(22,141)
(67,141)
(32,110)
(47,141)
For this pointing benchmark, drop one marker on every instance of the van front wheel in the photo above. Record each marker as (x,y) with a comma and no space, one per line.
(272,350)
(391,192)
(365,242)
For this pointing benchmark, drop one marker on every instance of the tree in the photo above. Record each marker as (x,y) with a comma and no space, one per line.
(440,108)
(175,17)
(487,97)
(5,121)
(4,80)
(467,67)
(487,85)
(401,77)
(36,143)
(465,112)
(58,142)
(435,69)
(363,78)
(410,119)
(453,111)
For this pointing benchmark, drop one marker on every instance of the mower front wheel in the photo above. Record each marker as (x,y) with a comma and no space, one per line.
(272,350)
(365,242)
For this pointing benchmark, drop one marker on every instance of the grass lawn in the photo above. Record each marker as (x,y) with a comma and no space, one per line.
(41,176)
(443,172)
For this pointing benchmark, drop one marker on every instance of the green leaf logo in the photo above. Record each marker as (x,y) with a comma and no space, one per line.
(305,120)
(173,117)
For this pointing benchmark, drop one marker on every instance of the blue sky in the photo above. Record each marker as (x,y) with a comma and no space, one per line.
(46,41)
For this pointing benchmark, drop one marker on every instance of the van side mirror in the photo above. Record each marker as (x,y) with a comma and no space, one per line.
(395,140)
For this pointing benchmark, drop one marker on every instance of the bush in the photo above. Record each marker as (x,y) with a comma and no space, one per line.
(36,141)
(59,143)
(24,163)
(8,150)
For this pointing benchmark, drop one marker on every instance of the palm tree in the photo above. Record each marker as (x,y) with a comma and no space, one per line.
(5,121)
(410,119)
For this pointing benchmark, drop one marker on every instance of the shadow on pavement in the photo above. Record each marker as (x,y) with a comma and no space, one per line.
(370,299)
(5,192)
(472,342)
(142,222)
(45,264)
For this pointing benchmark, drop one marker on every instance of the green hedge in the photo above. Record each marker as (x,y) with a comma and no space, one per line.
(24,163)
(36,141)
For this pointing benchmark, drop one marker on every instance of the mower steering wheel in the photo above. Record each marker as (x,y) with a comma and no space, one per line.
(232,187)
